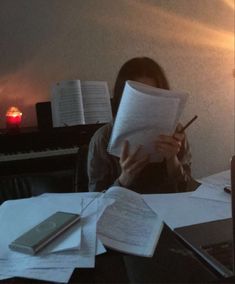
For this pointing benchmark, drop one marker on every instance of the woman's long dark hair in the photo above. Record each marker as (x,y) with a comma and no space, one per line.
(138,67)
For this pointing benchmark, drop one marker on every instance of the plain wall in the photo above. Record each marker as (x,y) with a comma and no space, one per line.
(45,41)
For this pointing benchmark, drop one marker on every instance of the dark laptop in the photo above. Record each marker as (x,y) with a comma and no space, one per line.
(213,242)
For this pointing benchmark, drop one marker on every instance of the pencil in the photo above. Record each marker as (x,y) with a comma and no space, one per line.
(188,124)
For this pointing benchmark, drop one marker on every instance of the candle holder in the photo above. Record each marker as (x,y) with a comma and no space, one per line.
(13,118)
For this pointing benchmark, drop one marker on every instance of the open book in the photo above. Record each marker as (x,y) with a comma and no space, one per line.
(129,225)
(144,113)
(75,102)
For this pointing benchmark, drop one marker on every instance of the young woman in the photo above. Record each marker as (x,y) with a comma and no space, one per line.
(105,170)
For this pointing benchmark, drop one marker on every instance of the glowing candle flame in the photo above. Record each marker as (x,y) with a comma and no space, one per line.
(13,117)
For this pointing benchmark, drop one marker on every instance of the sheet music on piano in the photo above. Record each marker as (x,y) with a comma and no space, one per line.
(77,102)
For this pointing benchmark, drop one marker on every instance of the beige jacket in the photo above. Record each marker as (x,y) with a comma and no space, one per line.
(104,169)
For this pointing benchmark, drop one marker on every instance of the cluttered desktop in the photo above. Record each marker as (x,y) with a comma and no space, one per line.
(69,235)
(87,249)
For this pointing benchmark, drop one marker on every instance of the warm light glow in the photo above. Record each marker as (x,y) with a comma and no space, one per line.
(230,3)
(158,29)
(162,25)
(13,117)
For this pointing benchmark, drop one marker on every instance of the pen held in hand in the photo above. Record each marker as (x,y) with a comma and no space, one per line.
(188,124)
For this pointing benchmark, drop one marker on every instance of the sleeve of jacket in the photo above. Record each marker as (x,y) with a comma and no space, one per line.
(100,167)
(183,176)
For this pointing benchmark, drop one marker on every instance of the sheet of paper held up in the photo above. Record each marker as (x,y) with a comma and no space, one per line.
(143,114)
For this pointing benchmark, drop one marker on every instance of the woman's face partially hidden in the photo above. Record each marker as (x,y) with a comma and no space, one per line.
(147,81)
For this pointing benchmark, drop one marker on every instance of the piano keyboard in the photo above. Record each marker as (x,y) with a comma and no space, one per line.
(5,157)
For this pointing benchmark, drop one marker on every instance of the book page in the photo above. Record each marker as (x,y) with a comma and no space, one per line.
(129,224)
(96,102)
(144,113)
(66,104)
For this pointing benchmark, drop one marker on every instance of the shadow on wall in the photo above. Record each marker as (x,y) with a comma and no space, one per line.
(24,27)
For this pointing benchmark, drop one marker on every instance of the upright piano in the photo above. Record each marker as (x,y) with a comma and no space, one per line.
(29,150)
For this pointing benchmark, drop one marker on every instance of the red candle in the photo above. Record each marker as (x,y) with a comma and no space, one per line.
(13,117)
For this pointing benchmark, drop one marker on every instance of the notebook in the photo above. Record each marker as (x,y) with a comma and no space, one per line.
(213,242)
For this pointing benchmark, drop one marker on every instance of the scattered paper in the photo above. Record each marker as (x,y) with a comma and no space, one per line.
(213,192)
(76,249)
(222,179)
(179,209)
(129,224)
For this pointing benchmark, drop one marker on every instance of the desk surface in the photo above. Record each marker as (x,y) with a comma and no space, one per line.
(171,263)
(182,209)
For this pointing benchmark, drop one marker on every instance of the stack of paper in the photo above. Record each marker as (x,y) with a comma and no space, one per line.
(76,247)
(129,123)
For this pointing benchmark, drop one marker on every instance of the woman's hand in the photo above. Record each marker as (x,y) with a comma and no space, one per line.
(130,164)
(169,146)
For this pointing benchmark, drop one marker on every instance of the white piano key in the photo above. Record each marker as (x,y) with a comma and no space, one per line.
(38,154)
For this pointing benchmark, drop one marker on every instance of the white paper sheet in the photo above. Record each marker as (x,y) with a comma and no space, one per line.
(179,209)
(80,102)
(129,225)
(60,275)
(65,261)
(221,178)
(213,192)
(21,215)
(96,102)
(154,105)
(66,104)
